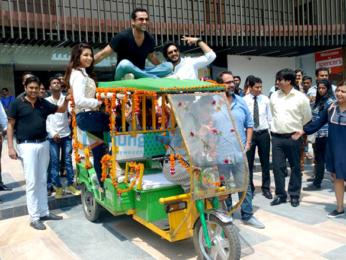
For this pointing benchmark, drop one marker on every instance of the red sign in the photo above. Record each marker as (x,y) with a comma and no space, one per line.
(330,59)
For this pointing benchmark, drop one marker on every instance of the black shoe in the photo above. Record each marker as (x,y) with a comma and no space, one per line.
(49,192)
(267,194)
(37,224)
(294,202)
(312,187)
(336,214)
(311,179)
(4,187)
(51,216)
(278,200)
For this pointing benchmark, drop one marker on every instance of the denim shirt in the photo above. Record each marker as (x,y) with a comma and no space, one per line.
(316,113)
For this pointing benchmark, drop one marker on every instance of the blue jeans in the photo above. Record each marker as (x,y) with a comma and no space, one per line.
(50,181)
(155,72)
(246,206)
(307,147)
(54,148)
(95,123)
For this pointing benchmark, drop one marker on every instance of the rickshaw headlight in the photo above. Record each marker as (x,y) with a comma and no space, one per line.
(175,206)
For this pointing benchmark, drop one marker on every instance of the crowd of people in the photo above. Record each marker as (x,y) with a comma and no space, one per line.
(292,112)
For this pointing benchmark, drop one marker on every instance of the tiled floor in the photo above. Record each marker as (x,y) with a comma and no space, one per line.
(290,233)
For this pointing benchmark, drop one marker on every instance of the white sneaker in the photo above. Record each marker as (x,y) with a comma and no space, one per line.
(253,223)
(172,77)
(128,76)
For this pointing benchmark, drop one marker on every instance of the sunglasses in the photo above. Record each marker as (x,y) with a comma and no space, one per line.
(143,19)
(170,52)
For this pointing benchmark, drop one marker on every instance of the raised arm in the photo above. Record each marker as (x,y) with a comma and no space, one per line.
(98,57)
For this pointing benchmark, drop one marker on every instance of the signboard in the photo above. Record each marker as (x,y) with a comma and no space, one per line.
(331,59)
(130,147)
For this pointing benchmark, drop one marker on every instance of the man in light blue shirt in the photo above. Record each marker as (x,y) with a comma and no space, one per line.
(243,120)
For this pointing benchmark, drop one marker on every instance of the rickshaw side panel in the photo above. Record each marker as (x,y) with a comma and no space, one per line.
(109,200)
(147,205)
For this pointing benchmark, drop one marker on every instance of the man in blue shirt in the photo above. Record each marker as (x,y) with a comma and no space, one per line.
(243,120)
(6,99)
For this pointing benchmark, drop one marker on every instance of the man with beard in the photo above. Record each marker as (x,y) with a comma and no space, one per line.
(187,68)
(133,47)
(59,135)
(243,119)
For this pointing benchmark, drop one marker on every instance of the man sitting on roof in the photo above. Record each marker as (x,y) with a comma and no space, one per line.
(133,47)
(187,68)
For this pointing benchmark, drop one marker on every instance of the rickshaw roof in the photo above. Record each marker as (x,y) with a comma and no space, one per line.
(164,85)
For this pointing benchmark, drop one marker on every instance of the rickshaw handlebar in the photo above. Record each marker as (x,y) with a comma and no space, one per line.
(174,198)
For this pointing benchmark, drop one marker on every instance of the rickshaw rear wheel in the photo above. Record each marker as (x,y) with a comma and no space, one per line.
(224,239)
(90,206)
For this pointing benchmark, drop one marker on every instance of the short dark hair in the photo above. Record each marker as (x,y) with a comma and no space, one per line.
(287,74)
(53,78)
(138,9)
(219,76)
(321,69)
(254,80)
(238,77)
(299,70)
(166,46)
(307,78)
(58,75)
(32,79)
(27,73)
(5,89)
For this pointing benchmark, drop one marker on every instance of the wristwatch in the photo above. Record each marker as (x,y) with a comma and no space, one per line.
(199,40)
(249,142)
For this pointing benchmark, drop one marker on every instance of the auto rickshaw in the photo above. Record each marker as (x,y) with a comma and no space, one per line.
(199,137)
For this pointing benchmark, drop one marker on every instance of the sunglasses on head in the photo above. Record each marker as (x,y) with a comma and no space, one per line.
(170,52)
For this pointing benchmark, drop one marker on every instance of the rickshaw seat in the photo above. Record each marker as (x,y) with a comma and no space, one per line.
(152,181)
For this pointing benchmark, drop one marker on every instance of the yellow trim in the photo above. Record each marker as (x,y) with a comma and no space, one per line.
(130,212)
(163,113)
(164,234)
(123,118)
(174,198)
(144,114)
(139,185)
(126,172)
(153,115)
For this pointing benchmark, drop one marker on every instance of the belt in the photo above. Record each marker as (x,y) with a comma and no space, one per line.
(282,135)
(260,132)
(37,141)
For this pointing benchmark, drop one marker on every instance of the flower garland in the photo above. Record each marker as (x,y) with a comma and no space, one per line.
(199,177)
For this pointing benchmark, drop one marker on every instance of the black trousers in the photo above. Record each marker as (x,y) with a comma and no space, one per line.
(262,141)
(283,148)
(320,156)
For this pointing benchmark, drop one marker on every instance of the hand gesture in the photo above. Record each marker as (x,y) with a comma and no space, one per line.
(297,135)
(190,40)
(56,138)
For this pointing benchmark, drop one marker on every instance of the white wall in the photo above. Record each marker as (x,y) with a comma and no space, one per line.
(262,67)
(307,64)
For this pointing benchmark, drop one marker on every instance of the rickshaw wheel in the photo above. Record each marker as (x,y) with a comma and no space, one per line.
(90,206)
(224,239)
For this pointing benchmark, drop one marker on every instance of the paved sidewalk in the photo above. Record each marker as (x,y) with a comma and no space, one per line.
(304,232)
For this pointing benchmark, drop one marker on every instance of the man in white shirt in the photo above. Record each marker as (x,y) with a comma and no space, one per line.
(259,107)
(321,73)
(291,111)
(59,134)
(187,68)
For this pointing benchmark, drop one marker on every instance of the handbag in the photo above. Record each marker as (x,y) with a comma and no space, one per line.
(311,138)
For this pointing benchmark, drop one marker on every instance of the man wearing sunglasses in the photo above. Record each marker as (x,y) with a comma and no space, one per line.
(243,120)
(187,68)
(133,46)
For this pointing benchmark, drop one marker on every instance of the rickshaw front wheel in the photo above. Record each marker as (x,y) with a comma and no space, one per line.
(90,206)
(224,238)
